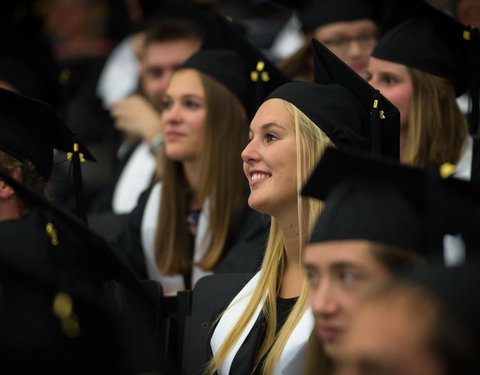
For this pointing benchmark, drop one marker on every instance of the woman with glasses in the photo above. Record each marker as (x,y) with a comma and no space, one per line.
(347,27)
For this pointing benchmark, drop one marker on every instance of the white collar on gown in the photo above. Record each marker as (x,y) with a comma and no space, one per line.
(171,284)
(291,360)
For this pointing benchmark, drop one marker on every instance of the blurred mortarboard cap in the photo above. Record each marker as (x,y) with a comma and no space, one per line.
(383,127)
(252,77)
(385,201)
(432,41)
(31,130)
(368,198)
(316,13)
(62,240)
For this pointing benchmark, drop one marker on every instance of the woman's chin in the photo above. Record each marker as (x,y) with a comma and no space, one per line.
(258,205)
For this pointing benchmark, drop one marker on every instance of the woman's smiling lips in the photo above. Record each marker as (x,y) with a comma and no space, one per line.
(258,176)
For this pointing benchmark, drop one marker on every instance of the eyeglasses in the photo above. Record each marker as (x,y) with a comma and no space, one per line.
(342,44)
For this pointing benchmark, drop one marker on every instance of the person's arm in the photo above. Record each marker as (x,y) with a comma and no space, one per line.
(137,116)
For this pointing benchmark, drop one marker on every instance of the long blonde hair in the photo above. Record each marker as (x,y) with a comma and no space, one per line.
(223,182)
(437,129)
(311,144)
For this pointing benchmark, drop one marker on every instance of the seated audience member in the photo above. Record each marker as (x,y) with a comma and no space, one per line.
(421,65)
(163,48)
(31,131)
(377,222)
(265,328)
(196,220)
(348,28)
(69,304)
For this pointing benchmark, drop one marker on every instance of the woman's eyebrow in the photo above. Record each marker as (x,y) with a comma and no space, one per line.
(270,125)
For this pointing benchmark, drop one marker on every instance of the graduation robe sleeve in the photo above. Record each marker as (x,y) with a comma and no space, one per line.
(128,243)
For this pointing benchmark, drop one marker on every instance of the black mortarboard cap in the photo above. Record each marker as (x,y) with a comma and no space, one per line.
(78,249)
(383,127)
(252,77)
(368,198)
(316,13)
(31,130)
(227,68)
(382,200)
(432,41)
(332,108)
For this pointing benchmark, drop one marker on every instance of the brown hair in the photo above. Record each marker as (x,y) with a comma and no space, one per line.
(30,176)
(437,128)
(223,183)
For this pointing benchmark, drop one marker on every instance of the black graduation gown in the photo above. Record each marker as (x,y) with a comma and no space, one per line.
(475,168)
(211,295)
(244,248)
(115,315)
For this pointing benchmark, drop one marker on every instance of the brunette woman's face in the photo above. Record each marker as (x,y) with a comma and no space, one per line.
(394,82)
(341,273)
(183,116)
(269,159)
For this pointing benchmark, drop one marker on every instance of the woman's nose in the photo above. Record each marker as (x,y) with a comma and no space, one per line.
(250,153)
(172,114)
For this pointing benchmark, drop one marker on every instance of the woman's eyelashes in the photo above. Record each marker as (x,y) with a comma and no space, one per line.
(270,137)
(388,80)
(187,102)
(167,104)
(192,104)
